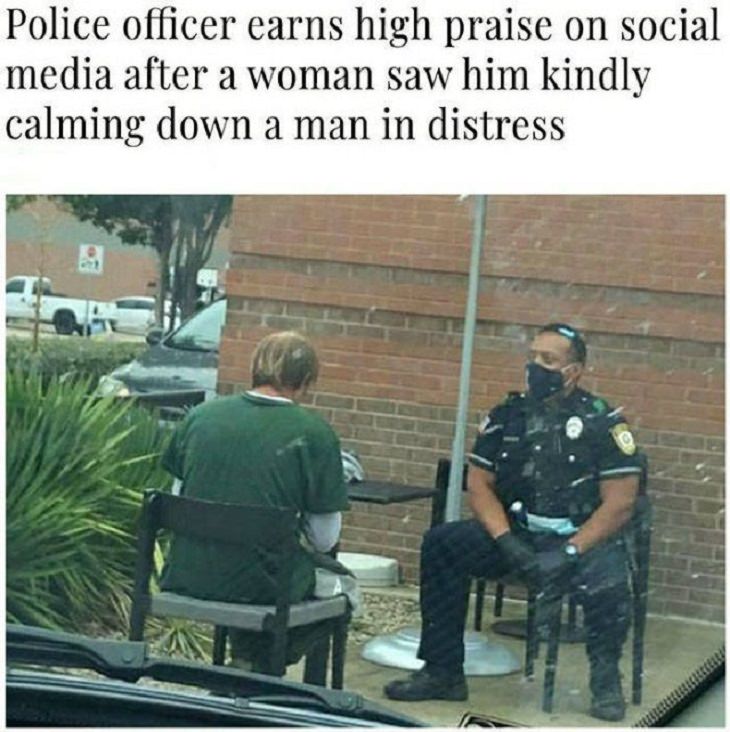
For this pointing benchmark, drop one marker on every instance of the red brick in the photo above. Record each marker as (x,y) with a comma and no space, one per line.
(390,271)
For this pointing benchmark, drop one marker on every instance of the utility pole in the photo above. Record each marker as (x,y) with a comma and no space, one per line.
(453,494)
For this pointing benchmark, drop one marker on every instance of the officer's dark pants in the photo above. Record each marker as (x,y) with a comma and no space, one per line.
(453,553)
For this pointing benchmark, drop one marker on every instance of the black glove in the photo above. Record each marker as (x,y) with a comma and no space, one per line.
(519,556)
(554,568)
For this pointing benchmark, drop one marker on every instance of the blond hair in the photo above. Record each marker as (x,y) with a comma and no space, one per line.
(284,360)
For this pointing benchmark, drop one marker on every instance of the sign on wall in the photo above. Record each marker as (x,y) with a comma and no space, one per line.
(91,259)
(207,277)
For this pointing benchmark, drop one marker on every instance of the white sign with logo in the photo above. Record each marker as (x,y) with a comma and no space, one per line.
(91,259)
(207,277)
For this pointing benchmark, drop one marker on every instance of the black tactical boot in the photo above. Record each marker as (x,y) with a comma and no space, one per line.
(607,697)
(425,684)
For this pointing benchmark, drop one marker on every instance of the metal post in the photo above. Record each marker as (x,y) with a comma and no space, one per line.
(37,311)
(453,494)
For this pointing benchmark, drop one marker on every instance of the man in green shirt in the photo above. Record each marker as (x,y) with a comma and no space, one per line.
(259,448)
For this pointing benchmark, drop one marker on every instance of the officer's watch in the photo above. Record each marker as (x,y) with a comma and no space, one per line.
(571,550)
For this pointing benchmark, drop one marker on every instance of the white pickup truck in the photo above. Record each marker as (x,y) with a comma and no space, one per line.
(67,314)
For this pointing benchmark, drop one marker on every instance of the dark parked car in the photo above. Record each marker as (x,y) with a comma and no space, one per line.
(184,361)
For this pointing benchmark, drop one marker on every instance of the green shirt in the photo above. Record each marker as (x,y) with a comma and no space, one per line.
(256,450)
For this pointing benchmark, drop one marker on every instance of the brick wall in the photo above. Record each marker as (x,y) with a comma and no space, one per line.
(125,272)
(42,235)
(379,283)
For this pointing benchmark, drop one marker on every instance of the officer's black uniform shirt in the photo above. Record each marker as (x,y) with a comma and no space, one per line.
(552,457)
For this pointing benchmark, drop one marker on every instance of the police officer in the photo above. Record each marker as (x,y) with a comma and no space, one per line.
(553,478)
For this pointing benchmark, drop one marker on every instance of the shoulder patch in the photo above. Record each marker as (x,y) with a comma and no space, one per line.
(623,438)
(599,405)
(496,418)
(513,397)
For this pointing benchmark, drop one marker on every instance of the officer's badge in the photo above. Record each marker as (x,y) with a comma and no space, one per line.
(624,439)
(574,428)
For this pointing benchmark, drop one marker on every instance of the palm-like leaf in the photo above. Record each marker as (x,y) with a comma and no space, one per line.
(75,470)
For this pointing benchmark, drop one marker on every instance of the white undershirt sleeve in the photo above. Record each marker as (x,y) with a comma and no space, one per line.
(322,529)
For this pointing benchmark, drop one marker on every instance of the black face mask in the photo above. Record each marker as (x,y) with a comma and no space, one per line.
(541,382)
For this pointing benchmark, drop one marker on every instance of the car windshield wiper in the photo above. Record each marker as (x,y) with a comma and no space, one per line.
(129,661)
(190,344)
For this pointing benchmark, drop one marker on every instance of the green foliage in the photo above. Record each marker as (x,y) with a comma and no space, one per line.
(76,468)
(13,203)
(174,637)
(134,219)
(70,358)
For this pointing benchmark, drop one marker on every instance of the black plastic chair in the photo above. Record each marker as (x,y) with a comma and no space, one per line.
(638,540)
(637,535)
(249,528)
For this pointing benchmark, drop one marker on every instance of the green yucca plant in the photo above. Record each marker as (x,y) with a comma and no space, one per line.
(75,471)
(174,637)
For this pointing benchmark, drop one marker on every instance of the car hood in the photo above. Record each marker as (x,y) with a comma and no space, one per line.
(162,368)
(201,695)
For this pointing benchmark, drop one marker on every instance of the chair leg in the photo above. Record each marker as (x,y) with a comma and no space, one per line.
(572,611)
(638,649)
(220,637)
(137,617)
(277,660)
(532,641)
(479,606)
(339,646)
(551,657)
(136,628)
(315,664)
(498,599)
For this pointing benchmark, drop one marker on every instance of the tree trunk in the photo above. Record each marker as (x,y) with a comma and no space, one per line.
(190,291)
(163,240)
(163,286)
(186,273)
(197,220)
(37,313)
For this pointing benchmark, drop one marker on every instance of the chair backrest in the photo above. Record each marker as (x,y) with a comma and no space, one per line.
(641,519)
(231,523)
(249,528)
(640,527)
(438,504)
(644,477)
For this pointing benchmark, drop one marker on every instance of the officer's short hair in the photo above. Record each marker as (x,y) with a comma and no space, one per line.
(578,350)
(284,360)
